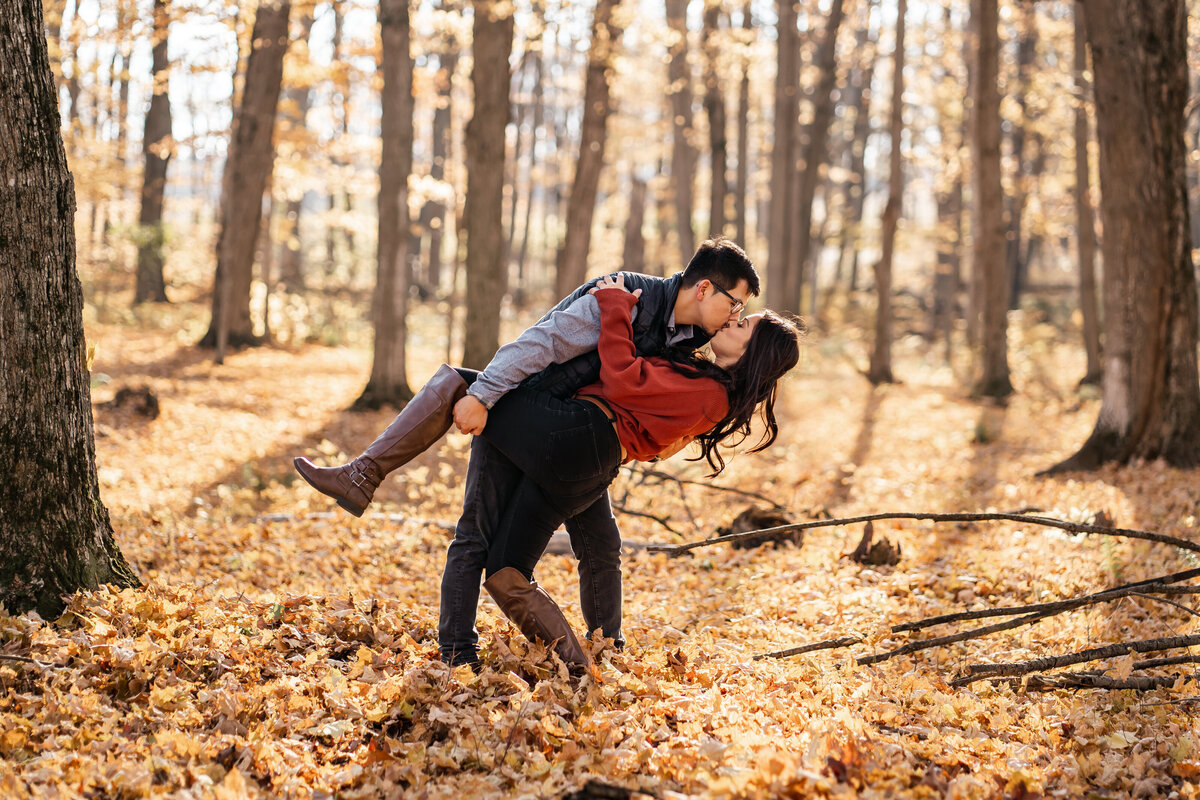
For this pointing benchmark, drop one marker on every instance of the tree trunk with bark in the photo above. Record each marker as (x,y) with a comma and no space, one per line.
(55,533)
(633,255)
(948,270)
(743,132)
(683,153)
(856,179)
(388,384)
(297,101)
(597,108)
(1151,391)
(880,369)
(783,156)
(247,171)
(483,216)
(157,147)
(1016,256)
(814,144)
(714,108)
(987,226)
(1085,227)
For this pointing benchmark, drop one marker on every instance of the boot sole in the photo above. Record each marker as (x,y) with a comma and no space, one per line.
(341,501)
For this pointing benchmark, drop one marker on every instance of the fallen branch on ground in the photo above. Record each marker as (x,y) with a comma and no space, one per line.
(1047,522)
(1092,680)
(975,672)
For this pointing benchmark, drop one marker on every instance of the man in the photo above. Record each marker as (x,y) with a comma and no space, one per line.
(557,355)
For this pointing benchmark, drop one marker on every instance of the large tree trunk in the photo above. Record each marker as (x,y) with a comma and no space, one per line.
(783,156)
(633,255)
(880,369)
(1085,228)
(156,149)
(987,226)
(1151,395)
(814,143)
(597,107)
(714,108)
(55,533)
(247,170)
(388,384)
(683,153)
(483,217)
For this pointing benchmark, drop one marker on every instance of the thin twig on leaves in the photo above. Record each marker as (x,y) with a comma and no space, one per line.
(975,672)
(1091,680)
(1150,663)
(33,661)
(659,520)
(1048,522)
(1147,596)
(828,644)
(1148,585)
(666,476)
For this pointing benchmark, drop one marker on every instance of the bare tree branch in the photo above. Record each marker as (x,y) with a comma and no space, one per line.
(975,672)
(828,644)
(1048,522)
(1092,680)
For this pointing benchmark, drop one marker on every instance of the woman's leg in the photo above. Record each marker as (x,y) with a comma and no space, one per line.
(596,540)
(419,424)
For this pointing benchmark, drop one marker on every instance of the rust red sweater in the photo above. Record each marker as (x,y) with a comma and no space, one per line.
(655,405)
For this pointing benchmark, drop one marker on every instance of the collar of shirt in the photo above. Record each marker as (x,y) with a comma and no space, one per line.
(677,334)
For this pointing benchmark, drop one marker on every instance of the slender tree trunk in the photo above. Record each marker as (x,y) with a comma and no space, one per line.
(714,108)
(988,222)
(683,153)
(1018,267)
(743,132)
(539,111)
(388,384)
(783,156)
(814,142)
(1151,391)
(157,147)
(247,171)
(441,148)
(947,275)
(483,218)
(880,369)
(298,101)
(55,533)
(633,257)
(597,107)
(856,179)
(1085,227)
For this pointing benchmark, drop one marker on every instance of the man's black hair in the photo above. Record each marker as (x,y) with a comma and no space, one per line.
(722,262)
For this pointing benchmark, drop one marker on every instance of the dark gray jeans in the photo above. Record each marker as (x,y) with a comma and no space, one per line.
(541,461)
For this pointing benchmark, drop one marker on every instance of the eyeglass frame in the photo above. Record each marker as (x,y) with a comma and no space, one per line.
(738,305)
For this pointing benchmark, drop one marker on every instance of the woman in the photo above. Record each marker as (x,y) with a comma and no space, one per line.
(568,451)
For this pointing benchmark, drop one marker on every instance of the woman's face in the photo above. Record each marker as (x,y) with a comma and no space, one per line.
(730,342)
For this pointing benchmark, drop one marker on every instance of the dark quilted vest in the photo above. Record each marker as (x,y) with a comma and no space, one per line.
(649,333)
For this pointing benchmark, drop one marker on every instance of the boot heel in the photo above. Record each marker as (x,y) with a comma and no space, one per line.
(353,509)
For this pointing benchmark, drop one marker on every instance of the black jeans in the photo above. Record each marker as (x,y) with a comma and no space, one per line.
(540,461)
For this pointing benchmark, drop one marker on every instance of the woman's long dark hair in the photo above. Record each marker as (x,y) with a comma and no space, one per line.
(751,382)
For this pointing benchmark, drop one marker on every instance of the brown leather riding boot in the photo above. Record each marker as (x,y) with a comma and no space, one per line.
(536,615)
(418,425)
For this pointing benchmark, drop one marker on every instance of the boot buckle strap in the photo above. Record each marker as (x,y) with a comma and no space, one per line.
(359,479)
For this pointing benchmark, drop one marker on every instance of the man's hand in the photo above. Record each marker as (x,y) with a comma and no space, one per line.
(470,415)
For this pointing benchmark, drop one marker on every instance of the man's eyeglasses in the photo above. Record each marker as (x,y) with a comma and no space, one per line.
(737,306)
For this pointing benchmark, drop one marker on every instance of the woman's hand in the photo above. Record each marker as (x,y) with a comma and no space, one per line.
(614,281)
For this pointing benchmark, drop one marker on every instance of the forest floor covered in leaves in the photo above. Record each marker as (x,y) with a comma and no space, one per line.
(281,648)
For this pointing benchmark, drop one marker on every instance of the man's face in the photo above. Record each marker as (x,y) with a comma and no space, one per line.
(719,308)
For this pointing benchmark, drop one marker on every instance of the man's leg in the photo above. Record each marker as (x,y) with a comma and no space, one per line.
(596,541)
(490,480)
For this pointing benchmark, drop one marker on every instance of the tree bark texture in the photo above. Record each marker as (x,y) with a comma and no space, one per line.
(248,168)
(1150,406)
(633,255)
(55,533)
(389,305)
(814,143)
(296,102)
(948,271)
(856,180)
(988,229)
(880,369)
(783,156)
(683,153)
(714,108)
(1018,266)
(483,216)
(597,108)
(157,147)
(743,133)
(1085,226)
